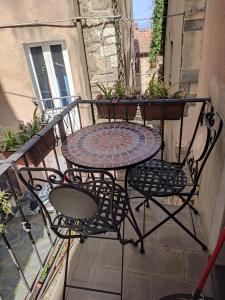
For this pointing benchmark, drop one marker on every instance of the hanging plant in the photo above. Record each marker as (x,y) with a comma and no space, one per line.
(157,30)
(154,111)
(12,140)
(5,209)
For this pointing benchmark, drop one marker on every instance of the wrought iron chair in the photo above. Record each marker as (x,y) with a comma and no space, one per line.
(88,203)
(158,178)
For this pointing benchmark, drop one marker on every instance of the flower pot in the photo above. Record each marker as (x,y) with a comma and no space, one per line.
(117,111)
(169,111)
(42,148)
(20,161)
(38,151)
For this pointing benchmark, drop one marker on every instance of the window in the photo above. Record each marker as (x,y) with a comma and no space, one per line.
(51,74)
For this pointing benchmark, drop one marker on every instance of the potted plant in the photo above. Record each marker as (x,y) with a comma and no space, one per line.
(153,111)
(116,110)
(5,210)
(14,139)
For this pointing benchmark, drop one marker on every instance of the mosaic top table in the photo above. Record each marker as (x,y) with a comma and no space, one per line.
(111,146)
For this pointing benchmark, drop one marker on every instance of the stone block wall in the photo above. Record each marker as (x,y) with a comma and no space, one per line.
(100,43)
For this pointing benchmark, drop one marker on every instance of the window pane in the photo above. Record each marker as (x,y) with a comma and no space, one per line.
(42,76)
(60,72)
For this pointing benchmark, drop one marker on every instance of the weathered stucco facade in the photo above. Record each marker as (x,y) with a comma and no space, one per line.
(197,64)
(212,84)
(91,44)
(183,46)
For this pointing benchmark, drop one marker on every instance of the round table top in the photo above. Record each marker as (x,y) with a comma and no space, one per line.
(111,146)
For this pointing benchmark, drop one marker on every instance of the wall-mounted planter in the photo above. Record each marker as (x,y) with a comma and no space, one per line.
(169,111)
(116,110)
(39,151)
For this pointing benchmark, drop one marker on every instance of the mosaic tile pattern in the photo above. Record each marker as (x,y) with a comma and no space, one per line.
(111,145)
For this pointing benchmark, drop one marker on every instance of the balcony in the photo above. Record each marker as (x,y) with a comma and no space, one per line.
(33,267)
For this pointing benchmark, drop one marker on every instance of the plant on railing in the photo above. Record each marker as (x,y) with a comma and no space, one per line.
(179,94)
(13,139)
(120,90)
(116,93)
(157,31)
(10,141)
(157,90)
(5,209)
(105,92)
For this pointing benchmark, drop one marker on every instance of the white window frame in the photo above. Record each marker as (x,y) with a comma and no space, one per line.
(50,70)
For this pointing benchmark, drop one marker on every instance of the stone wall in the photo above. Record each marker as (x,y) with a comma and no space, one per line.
(100,43)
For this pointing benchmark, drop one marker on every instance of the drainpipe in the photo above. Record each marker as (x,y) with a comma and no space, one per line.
(83,56)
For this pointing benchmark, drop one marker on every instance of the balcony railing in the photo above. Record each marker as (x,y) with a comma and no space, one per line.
(38,245)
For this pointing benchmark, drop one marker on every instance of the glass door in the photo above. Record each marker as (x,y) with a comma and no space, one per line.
(51,73)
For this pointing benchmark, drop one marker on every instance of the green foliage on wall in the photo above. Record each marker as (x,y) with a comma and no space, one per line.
(157,30)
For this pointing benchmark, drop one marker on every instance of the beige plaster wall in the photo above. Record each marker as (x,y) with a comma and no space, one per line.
(172,67)
(183,63)
(16,88)
(143,77)
(174,29)
(212,84)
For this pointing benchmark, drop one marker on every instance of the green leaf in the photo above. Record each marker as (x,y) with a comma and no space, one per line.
(157,32)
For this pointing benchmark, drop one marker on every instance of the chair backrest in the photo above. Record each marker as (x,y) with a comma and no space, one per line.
(75,194)
(206,134)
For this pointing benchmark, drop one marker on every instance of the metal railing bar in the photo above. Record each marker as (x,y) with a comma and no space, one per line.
(4,166)
(143,101)
(47,228)
(113,110)
(71,127)
(109,112)
(92,113)
(56,98)
(78,109)
(56,159)
(24,220)
(144,115)
(162,129)
(126,111)
(181,132)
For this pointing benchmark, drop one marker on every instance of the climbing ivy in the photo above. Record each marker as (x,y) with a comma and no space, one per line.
(157,30)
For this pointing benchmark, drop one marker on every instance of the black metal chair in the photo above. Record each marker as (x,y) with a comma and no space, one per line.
(157,178)
(88,203)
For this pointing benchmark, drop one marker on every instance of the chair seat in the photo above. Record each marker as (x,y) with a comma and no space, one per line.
(102,222)
(157,178)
